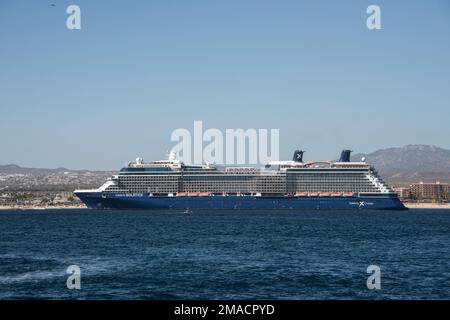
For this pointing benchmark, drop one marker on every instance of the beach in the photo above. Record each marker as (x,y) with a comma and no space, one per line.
(409,205)
(81,206)
(430,205)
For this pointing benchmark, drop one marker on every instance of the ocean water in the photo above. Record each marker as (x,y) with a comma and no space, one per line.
(224,254)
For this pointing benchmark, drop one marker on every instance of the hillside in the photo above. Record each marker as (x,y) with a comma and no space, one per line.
(411,163)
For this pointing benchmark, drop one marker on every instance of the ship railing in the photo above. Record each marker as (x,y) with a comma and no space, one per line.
(378,183)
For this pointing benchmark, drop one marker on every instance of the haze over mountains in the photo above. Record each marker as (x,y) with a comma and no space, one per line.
(400,166)
(410,164)
(13,169)
(16,178)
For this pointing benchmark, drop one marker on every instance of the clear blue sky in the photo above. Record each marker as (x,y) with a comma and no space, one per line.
(116,89)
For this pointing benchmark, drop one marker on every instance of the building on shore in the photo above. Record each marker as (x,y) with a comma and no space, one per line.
(403,193)
(430,191)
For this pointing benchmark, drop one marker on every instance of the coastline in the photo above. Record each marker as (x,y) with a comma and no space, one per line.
(409,205)
(41,207)
(413,205)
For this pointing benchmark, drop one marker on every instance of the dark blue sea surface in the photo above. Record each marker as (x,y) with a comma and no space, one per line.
(224,254)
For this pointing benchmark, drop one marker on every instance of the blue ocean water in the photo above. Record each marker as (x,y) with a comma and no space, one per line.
(224,254)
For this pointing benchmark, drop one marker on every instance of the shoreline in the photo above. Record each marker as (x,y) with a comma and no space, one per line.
(427,205)
(409,205)
(40,208)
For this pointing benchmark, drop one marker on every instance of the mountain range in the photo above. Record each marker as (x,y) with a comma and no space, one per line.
(398,165)
(15,169)
(410,164)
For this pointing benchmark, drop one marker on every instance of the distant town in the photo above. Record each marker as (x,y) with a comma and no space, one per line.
(44,188)
(54,189)
(420,174)
(424,194)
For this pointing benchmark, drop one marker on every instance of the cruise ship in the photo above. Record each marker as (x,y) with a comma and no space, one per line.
(289,185)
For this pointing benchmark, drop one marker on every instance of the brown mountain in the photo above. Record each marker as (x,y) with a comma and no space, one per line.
(410,164)
(399,166)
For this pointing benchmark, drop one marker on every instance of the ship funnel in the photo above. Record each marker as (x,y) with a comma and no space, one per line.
(345,156)
(298,155)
